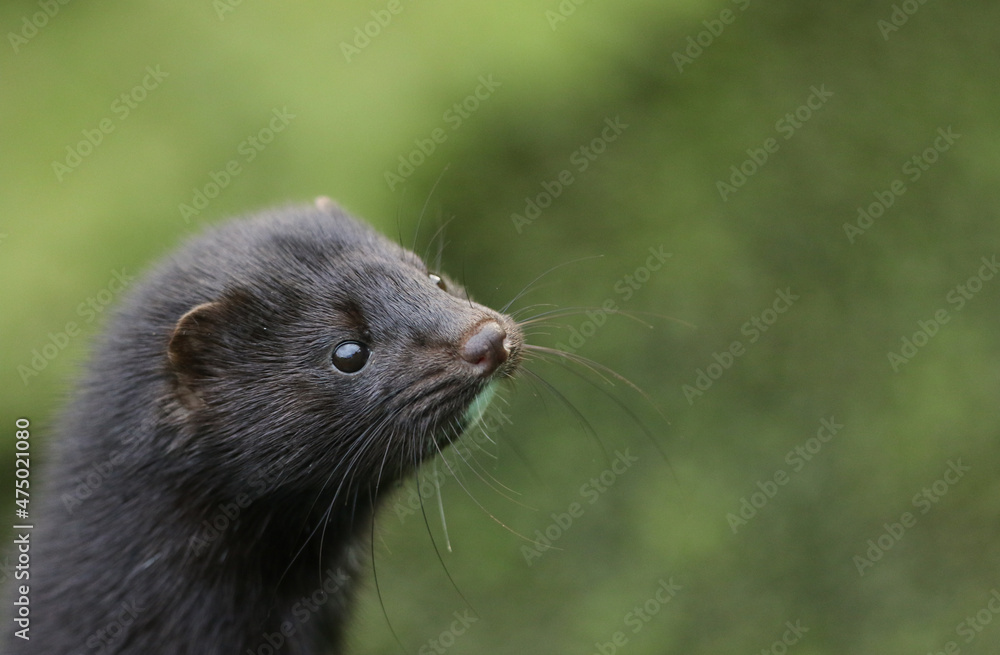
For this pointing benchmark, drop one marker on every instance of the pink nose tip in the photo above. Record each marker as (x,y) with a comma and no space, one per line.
(485,348)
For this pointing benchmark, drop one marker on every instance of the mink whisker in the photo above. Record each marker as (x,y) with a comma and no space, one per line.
(423,210)
(564,312)
(518,312)
(529,285)
(360,445)
(437,551)
(577,414)
(378,589)
(492,478)
(444,522)
(441,243)
(592,365)
(480,505)
(647,432)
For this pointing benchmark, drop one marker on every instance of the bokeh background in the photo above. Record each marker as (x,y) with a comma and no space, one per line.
(839,97)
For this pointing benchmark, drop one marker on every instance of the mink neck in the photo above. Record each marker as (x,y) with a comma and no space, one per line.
(280,534)
(280,559)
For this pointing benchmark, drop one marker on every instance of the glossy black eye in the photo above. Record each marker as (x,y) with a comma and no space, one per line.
(436,279)
(350,356)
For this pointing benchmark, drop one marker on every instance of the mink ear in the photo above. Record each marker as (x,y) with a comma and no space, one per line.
(199,345)
(195,337)
(327,204)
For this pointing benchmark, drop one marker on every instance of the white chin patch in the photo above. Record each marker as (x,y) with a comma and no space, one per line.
(478,406)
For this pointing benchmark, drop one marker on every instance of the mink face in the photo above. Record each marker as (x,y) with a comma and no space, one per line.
(245,409)
(330,351)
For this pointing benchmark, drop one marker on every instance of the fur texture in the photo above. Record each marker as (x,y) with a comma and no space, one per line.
(215,477)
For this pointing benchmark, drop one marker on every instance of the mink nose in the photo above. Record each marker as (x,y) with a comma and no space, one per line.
(485,348)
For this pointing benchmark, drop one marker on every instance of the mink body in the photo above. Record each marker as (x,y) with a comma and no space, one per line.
(215,475)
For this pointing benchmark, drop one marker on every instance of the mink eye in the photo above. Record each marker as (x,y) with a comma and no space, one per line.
(436,279)
(350,356)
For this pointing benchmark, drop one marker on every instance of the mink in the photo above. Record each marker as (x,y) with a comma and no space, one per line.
(214,476)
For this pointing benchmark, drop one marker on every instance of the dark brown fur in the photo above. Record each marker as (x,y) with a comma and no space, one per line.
(222,457)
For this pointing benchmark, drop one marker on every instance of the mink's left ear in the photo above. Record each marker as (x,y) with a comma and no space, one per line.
(197,350)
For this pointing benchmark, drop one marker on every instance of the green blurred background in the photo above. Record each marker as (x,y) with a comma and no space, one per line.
(701,86)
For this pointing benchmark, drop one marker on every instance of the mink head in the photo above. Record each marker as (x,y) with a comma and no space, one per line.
(304,343)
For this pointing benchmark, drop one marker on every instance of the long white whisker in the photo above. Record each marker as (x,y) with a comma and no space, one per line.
(444,522)
(528,286)
(480,505)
